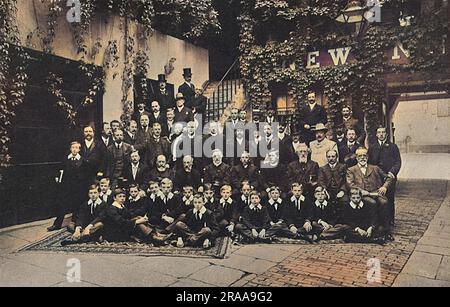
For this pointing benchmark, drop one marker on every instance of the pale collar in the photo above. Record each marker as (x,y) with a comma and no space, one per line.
(357,206)
(281,135)
(156,114)
(169,196)
(96,203)
(311,106)
(201,212)
(108,193)
(180,109)
(135,165)
(223,201)
(135,199)
(319,205)
(88,143)
(273,202)
(253,207)
(188,200)
(77,157)
(381,143)
(351,143)
(293,198)
(332,166)
(244,199)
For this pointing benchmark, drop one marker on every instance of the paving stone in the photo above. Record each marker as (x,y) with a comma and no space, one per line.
(408,280)
(190,283)
(81,284)
(246,264)
(16,274)
(444,270)
(433,241)
(177,267)
(265,252)
(10,244)
(423,264)
(218,276)
(445,251)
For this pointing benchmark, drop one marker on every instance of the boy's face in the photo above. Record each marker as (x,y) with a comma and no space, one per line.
(255,200)
(226,194)
(94,194)
(209,194)
(246,190)
(154,188)
(297,192)
(356,198)
(75,149)
(120,198)
(198,203)
(166,188)
(134,192)
(275,195)
(170,115)
(104,187)
(188,192)
(320,196)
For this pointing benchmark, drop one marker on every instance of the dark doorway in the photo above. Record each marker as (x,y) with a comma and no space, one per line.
(40,138)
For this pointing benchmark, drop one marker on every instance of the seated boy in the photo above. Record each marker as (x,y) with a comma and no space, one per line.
(188,199)
(276,207)
(88,223)
(106,194)
(211,203)
(136,204)
(255,221)
(198,226)
(243,200)
(230,215)
(298,215)
(153,191)
(361,218)
(166,208)
(324,216)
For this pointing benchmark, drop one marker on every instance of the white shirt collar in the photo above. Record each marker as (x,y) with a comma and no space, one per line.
(97,202)
(135,199)
(319,205)
(169,197)
(311,106)
(253,207)
(108,193)
(188,200)
(272,202)
(201,212)
(223,201)
(88,143)
(351,143)
(332,166)
(355,206)
(244,199)
(77,157)
(135,166)
(293,198)
(281,135)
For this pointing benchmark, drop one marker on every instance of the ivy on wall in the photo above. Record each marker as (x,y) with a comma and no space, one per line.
(186,18)
(311,26)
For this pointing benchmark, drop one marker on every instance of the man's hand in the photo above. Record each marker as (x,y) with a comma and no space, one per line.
(262,234)
(340,194)
(307,226)
(230,228)
(382,191)
(255,233)
(294,229)
(365,193)
(307,127)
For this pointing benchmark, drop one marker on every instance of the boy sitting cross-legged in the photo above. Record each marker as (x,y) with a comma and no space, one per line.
(136,204)
(211,203)
(276,208)
(88,224)
(230,215)
(298,215)
(188,199)
(106,194)
(198,227)
(255,221)
(324,216)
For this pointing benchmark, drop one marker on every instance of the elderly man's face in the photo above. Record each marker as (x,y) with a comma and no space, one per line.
(302,153)
(178,128)
(245,158)
(381,134)
(89,133)
(217,158)
(273,157)
(187,164)
(362,159)
(191,128)
(240,134)
(332,157)
(161,162)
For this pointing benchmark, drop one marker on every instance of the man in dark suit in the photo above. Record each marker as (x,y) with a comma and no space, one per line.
(304,171)
(386,155)
(163,95)
(245,171)
(350,122)
(187,88)
(161,170)
(136,172)
(183,114)
(93,153)
(131,133)
(200,105)
(347,150)
(139,112)
(143,136)
(73,186)
(118,156)
(157,116)
(218,172)
(106,136)
(187,175)
(285,144)
(273,173)
(309,116)
(169,123)
(157,145)
(333,177)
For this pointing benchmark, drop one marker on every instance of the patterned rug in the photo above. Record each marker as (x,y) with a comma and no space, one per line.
(52,243)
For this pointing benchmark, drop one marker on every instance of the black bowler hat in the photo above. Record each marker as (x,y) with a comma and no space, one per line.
(187,72)
(162,78)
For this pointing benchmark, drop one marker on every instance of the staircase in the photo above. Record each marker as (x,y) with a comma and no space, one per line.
(222,94)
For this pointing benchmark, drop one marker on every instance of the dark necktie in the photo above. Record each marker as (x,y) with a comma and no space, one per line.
(197,216)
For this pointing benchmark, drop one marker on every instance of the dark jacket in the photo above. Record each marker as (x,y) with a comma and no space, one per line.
(166,100)
(303,173)
(118,224)
(239,174)
(157,176)
(387,157)
(90,213)
(206,220)
(362,218)
(374,179)
(277,214)
(296,216)
(327,214)
(137,208)
(217,175)
(255,218)
(171,208)
(117,160)
(183,116)
(188,93)
(142,176)
(182,178)
(230,212)
(347,154)
(155,149)
(274,177)
(216,209)
(334,180)
(95,158)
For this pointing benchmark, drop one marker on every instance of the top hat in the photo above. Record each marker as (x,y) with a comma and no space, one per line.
(162,78)
(187,72)
(320,127)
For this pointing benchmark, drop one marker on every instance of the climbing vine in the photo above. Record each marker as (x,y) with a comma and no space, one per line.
(267,61)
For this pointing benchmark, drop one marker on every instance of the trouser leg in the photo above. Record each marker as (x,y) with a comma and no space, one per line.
(200,237)
(245,232)
(336,232)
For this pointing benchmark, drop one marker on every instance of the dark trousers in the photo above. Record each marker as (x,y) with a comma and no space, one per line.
(247,232)
(195,238)
(334,233)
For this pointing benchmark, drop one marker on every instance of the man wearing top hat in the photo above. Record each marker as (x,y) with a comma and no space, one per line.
(163,95)
(187,88)
(321,145)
